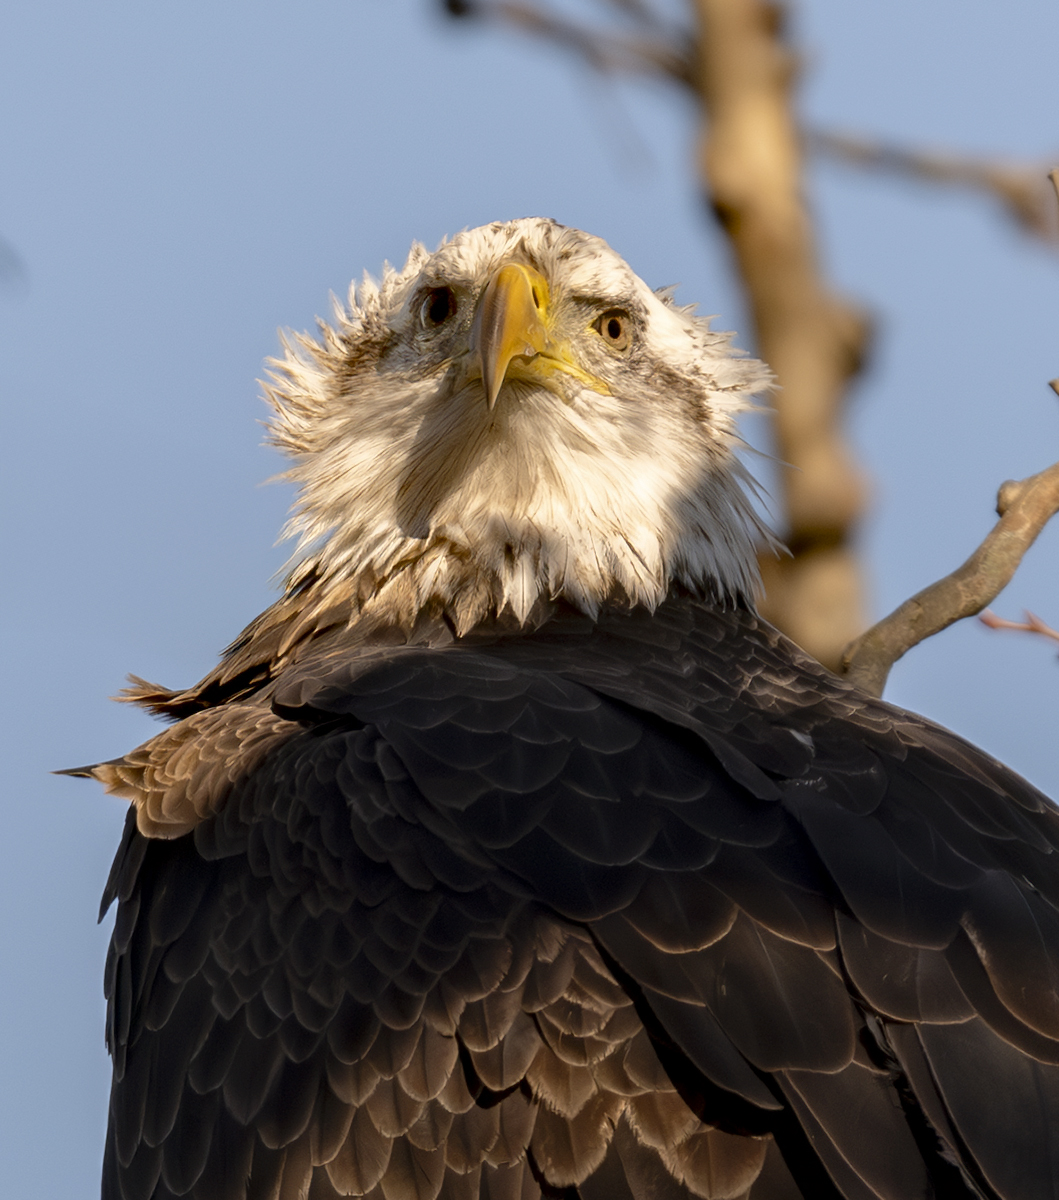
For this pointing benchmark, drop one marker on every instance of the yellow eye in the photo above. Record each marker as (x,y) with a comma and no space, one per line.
(614,328)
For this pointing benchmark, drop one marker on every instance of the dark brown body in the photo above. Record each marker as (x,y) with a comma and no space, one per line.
(649,907)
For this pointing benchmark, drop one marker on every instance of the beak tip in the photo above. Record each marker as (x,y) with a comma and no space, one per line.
(491,385)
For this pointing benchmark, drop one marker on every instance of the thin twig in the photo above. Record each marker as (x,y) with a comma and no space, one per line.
(1019,187)
(645,54)
(1032,624)
(12,269)
(1025,507)
(642,11)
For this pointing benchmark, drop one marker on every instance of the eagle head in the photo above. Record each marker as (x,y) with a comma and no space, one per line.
(513,420)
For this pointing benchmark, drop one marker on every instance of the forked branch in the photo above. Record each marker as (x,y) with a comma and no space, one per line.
(1025,507)
(1032,624)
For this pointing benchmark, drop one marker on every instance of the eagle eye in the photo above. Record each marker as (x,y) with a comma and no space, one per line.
(614,328)
(438,305)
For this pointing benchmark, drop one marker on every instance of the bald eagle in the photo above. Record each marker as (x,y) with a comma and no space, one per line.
(511,855)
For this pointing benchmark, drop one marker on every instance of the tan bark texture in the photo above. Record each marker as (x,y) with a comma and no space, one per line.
(751,162)
(1025,507)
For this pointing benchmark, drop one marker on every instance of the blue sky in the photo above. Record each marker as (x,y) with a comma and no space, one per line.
(180,181)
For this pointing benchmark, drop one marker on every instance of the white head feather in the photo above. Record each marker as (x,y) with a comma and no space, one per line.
(419,495)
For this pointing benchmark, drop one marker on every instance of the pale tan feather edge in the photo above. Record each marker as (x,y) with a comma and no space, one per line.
(183,775)
(554,1035)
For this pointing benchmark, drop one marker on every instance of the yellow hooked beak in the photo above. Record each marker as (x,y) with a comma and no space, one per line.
(512,336)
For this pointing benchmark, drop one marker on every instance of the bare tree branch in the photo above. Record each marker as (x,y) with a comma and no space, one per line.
(750,158)
(650,53)
(1025,507)
(1021,188)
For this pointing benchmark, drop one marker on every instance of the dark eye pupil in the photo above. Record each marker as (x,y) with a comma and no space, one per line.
(614,329)
(440,305)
